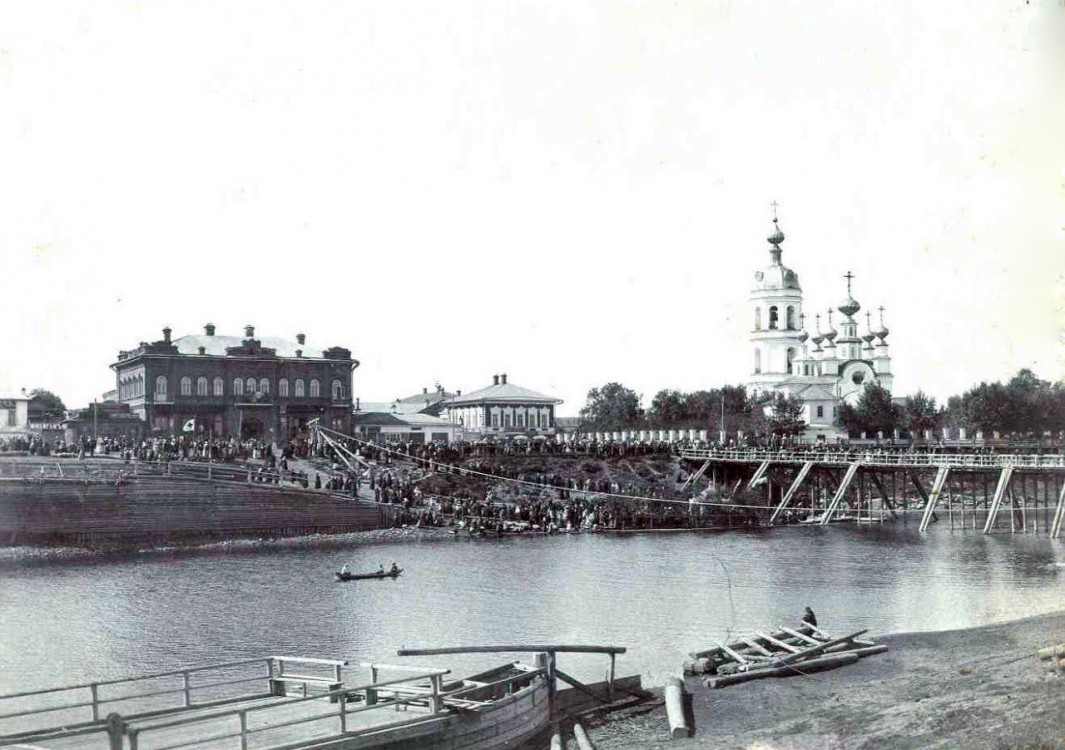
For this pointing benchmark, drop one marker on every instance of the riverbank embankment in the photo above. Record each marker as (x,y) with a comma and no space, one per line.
(980,688)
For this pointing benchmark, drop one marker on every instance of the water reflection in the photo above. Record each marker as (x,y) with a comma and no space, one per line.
(660,595)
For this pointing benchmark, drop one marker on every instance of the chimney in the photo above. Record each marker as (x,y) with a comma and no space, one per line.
(299,352)
(301,339)
(249,331)
(458,393)
(209,329)
(166,334)
(203,350)
(425,391)
(495,380)
(504,379)
(357,406)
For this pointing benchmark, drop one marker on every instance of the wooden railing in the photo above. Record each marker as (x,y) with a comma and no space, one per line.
(873,458)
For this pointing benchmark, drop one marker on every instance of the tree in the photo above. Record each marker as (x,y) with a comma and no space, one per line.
(612,407)
(921,413)
(668,409)
(785,419)
(46,403)
(875,412)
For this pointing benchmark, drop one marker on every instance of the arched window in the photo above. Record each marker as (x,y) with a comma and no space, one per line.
(140,386)
(338,390)
(186,386)
(201,386)
(219,387)
(160,386)
(791,318)
(773,317)
(316,388)
(282,388)
(757,318)
(238,387)
(264,386)
(299,387)
(249,386)
(791,355)
(757,361)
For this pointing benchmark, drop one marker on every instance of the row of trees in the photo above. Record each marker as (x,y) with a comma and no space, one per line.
(1023,405)
(615,407)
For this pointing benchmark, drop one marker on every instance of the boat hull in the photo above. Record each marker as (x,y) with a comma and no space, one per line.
(506,723)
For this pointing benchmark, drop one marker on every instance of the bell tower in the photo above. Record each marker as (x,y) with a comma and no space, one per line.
(776,312)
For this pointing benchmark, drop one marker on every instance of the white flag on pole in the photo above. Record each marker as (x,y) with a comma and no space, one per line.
(190,426)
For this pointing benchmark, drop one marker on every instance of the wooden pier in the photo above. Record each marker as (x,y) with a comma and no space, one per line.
(987,492)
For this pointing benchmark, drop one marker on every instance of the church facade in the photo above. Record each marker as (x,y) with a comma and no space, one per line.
(825,369)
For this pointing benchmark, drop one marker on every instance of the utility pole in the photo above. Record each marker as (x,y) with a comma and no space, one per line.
(722,418)
(94,438)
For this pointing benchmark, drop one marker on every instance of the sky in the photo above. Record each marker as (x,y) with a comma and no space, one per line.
(571,192)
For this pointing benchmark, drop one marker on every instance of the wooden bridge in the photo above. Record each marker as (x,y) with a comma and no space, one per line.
(975,490)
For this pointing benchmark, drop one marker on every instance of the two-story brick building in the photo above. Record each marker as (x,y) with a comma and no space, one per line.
(266,388)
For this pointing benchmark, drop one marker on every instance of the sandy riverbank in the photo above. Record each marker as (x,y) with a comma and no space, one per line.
(977,689)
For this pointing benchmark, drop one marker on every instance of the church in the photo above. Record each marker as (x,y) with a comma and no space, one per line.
(831,366)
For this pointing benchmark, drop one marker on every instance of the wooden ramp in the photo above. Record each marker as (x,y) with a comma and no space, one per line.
(693,478)
(786,500)
(933,496)
(838,497)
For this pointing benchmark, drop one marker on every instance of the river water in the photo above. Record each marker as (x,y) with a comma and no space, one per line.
(661,595)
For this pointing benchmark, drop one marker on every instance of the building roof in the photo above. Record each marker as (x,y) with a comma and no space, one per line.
(217,345)
(503,393)
(414,419)
(13,396)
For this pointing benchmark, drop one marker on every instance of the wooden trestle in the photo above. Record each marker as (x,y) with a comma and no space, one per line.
(964,491)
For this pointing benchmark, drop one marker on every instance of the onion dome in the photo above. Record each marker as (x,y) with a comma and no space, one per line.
(849,306)
(803,335)
(831,333)
(777,237)
(776,276)
(882,334)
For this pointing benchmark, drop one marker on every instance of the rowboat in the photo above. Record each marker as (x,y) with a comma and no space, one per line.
(362,576)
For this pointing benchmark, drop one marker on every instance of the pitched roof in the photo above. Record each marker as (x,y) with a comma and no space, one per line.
(504,393)
(414,419)
(217,345)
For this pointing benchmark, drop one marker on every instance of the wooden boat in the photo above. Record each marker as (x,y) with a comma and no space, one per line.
(396,708)
(363,576)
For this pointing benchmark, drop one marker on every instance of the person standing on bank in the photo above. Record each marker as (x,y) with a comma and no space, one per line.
(809,617)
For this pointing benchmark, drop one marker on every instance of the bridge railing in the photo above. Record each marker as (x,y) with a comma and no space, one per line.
(872,458)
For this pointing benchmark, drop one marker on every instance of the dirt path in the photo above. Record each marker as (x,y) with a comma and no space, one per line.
(978,689)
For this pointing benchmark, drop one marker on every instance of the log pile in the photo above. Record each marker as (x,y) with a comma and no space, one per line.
(1053,657)
(785,652)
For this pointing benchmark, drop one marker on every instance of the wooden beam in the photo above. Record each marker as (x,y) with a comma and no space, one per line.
(778,643)
(560,649)
(574,682)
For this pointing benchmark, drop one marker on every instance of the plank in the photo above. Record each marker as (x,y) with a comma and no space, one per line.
(781,644)
(757,646)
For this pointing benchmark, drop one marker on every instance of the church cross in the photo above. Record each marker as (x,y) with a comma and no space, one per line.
(881,309)
(774,204)
(848,276)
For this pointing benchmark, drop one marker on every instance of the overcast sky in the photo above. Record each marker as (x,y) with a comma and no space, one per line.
(569,192)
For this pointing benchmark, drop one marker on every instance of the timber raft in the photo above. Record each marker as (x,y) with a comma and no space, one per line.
(102,503)
(988,491)
(301,703)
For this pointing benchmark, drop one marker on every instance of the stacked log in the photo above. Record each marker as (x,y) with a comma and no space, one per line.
(784,653)
(1053,657)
